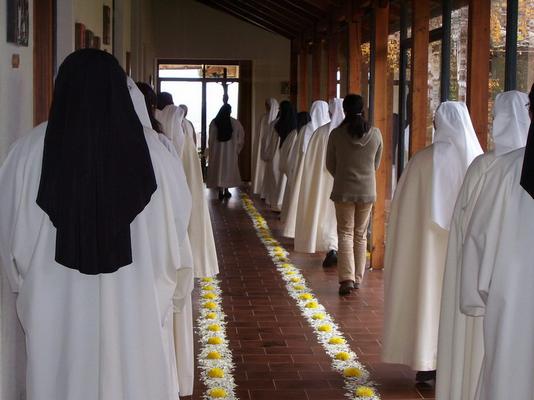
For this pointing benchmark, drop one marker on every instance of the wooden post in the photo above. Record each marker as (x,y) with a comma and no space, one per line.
(419,75)
(478,67)
(355,51)
(331,79)
(293,73)
(316,69)
(380,120)
(303,77)
(43,59)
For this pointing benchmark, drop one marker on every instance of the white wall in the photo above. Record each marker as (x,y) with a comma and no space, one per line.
(187,29)
(16,86)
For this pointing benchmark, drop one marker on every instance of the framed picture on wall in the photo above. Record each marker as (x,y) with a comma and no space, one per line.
(18,22)
(106,34)
(97,43)
(89,37)
(79,36)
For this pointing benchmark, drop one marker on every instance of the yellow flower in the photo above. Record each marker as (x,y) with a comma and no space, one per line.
(208,288)
(279,249)
(295,280)
(306,296)
(324,328)
(211,315)
(365,391)
(318,316)
(312,304)
(207,279)
(286,265)
(217,393)
(213,355)
(343,356)
(216,373)
(299,287)
(290,272)
(209,296)
(336,340)
(215,340)
(214,328)
(352,372)
(210,305)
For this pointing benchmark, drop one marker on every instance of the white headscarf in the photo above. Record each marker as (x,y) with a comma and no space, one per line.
(273,112)
(138,100)
(171,118)
(319,117)
(337,115)
(455,147)
(511,121)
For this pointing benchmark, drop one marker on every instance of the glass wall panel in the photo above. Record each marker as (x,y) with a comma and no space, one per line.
(190,94)
(525,45)
(459,25)
(180,71)
(434,79)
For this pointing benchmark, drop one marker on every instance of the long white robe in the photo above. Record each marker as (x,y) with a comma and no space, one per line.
(316,224)
(287,165)
(103,337)
(497,278)
(223,166)
(413,271)
(258,141)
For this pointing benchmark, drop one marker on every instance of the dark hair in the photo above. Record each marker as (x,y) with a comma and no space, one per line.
(303,118)
(224,123)
(287,120)
(164,100)
(531,100)
(354,116)
(150,101)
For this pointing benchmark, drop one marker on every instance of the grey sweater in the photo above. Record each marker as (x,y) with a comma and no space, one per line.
(352,161)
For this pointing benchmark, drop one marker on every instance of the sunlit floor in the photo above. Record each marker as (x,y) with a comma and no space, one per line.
(276,353)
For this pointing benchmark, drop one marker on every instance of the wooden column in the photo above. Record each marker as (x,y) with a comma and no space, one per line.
(380,120)
(303,77)
(245,117)
(419,75)
(331,80)
(316,69)
(478,67)
(354,31)
(293,73)
(43,59)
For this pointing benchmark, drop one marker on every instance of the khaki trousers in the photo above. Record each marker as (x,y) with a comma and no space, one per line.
(352,222)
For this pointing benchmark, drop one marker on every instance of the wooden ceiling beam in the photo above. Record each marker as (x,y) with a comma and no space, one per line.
(289,10)
(304,7)
(270,14)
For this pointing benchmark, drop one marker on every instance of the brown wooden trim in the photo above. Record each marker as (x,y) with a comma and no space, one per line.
(381,118)
(303,78)
(293,74)
(331,77)
(245,116)
(43,58)
(419,74)
(316,69)
(478,56)
(355,57)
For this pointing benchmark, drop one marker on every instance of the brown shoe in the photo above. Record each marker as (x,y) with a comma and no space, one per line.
(346,287)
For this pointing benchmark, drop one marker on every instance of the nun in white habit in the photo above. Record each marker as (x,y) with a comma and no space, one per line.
(461,342)
(319,117)
(258,142)
(284,126)
(316,227)
(418,228)
(96,286)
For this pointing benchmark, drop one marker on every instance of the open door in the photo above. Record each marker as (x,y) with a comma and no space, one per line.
(43,58)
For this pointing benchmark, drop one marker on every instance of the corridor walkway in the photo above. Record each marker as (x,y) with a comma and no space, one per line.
(276,353)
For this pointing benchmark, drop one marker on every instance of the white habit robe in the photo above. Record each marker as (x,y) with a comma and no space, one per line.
(189,130)
(417,243)
(105,337)
(316,226)
(258,140)
(496,280)
(460,344)
(223,157)
(319,117)
(287,151)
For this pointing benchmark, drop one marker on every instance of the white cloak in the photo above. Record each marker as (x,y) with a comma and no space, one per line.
(316,224)
(223,165)
(286,167)
(105,337)
(496,280)
(258,141)
(413,270)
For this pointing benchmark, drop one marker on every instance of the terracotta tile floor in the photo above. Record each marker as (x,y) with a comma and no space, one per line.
(276,354)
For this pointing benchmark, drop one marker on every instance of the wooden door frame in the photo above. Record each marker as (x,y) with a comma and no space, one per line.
(44,33)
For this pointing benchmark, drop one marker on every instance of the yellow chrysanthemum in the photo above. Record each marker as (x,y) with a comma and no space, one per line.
(343,356)
(299,287)
(209,296)
(290,272)
(214,328)
(318,316)
(210,305)
(208,288)
(295,280)
(324,328)
(336,340)
(279,249)
(207,279)
(306,296)
(217,393)
(312,304)
(286,265)
(213,355)
(352,372)
(216,373)
(365,391)
(211,315)
(215,340)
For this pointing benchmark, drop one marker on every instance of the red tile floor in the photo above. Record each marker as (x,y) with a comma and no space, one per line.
(275,352)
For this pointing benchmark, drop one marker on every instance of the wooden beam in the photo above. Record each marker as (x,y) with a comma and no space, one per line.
(331,78)
(290,10)
(354,32)
(270,15)
(419,74)
(43,59)
(303,78)
(478,68)
(316,69)
(294,73)
(380,120)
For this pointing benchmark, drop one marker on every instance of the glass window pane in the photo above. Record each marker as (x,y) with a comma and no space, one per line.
(525,45)
(190,94)
(180,71)
(217,71)
(459,25)
(434,79)
(214,95)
